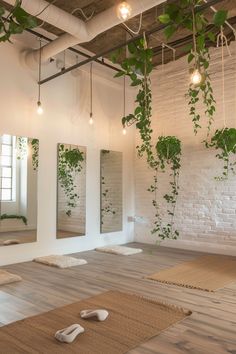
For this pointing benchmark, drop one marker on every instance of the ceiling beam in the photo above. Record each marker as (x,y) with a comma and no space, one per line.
(113,49)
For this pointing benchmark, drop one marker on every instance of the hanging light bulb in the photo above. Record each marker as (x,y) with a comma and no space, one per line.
(196,77)
(124,11)
(91,121)
(39,108)
(124,131)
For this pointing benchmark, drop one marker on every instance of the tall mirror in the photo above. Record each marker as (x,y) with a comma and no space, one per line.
(18,189)
(71,191)
(111,191)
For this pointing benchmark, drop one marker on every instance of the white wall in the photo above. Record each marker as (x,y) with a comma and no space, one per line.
(206,209)
(66,105)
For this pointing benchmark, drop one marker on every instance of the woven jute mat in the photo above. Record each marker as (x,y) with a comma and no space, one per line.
(207,273)
(132,320)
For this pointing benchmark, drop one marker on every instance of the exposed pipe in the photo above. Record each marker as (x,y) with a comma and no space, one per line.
(77,30)
(118,46)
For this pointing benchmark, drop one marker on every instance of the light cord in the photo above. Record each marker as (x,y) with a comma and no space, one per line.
(87,18)
(40,69)
(124,96)
(91,90)
(139,27)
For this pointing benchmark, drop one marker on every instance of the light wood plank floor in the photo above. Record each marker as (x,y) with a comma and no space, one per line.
(211,329)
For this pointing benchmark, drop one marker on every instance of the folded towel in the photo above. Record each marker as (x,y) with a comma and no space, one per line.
(68,335)
(100,315)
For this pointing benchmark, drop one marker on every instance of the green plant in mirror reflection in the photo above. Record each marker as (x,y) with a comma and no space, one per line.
(69,166)
(25,145)
(20,217)
(107,205)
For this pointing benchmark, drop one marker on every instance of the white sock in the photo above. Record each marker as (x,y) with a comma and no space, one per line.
(100,315)
(68,335)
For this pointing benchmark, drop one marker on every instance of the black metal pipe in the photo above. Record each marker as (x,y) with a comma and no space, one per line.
(113,49)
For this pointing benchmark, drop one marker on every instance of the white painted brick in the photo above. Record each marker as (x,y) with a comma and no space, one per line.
(206,208)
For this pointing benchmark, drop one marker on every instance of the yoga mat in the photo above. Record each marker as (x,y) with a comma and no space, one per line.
(207,273)
(8,278)
(131,321)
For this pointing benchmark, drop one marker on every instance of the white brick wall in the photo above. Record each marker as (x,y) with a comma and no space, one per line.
(206,209)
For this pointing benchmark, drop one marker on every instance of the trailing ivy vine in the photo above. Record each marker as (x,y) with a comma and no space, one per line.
(138,67)
(14,22)
(69,165)
(107,205)
(168,150)
(224,140)
(35,153)
(186,14)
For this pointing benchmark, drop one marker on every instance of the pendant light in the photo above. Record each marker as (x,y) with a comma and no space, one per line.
(196,77)
(124,131)
(91,121)
(124,11)
(39,103)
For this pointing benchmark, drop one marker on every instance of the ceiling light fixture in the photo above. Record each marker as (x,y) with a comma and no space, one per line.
(124,11)
(39,104)
(91,121)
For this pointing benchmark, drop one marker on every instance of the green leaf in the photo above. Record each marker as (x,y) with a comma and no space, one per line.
(220,17)
(2,11)
(191,56)
(169,31)
(211,36)
(165,18)
(119,74)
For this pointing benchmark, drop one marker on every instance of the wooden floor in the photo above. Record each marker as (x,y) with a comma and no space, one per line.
(211,329)
(24,236)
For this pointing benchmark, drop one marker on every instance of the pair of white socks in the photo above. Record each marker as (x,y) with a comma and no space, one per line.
(68,335)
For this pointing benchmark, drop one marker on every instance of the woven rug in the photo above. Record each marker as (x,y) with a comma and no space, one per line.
(207,273)
(7,278)
(131,321)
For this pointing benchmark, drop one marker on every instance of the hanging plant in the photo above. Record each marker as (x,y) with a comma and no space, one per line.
(35,153)
(186,14)
(15,22)
(138,66)
(69,165)
(168,151)
(225,141)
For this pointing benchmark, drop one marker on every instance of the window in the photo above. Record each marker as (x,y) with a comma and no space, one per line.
(6,168)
